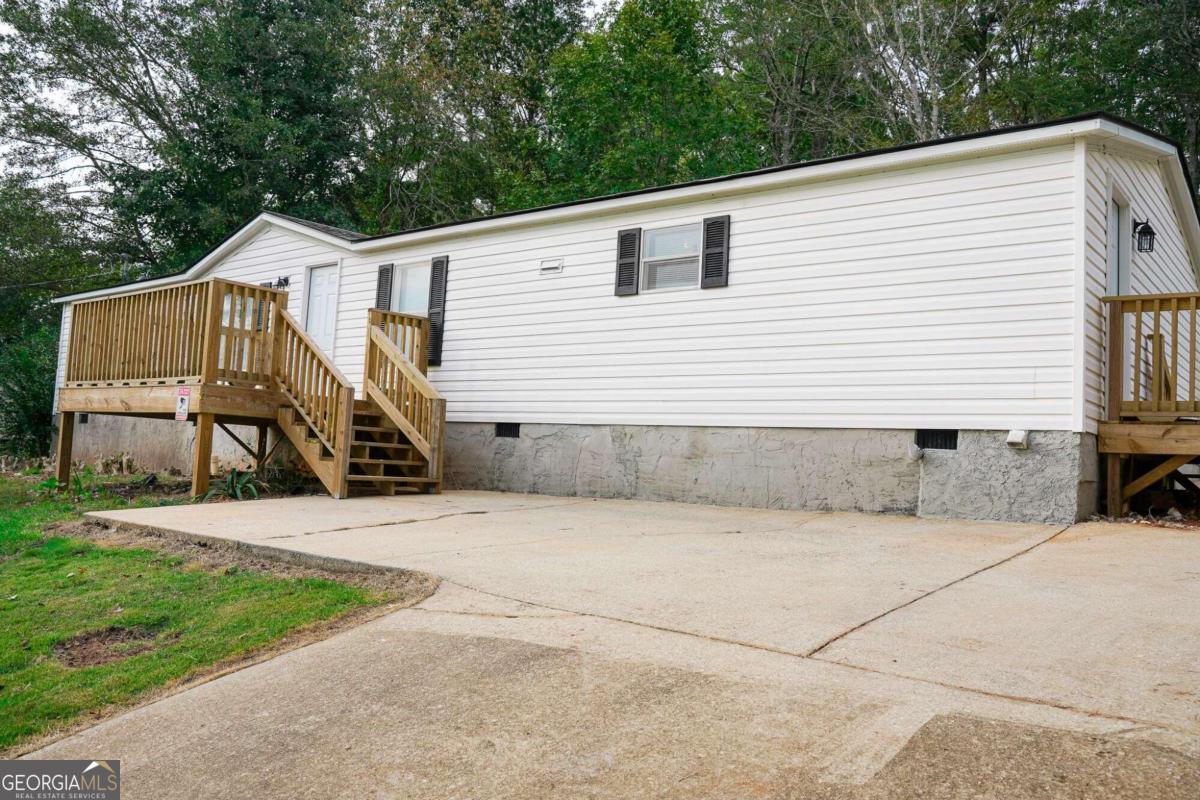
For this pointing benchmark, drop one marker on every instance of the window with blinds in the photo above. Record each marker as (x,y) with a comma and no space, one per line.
(671,258)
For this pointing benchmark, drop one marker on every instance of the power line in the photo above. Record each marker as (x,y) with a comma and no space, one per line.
(54,282)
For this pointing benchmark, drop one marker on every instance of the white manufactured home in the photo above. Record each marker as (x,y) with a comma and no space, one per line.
(919,330)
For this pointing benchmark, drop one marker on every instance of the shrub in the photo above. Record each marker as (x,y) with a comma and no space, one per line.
(27,368)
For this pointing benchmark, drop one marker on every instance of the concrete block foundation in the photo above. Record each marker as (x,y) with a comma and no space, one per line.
(1055,480)
(804,469)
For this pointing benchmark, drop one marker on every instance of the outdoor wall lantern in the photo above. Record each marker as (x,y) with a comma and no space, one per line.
(1144,235)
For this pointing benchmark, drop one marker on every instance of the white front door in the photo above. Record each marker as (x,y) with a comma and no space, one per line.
(320,319)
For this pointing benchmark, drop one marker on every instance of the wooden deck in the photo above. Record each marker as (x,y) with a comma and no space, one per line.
(235,356)
(1152,426)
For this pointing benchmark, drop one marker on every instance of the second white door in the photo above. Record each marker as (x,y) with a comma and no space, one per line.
(320,319)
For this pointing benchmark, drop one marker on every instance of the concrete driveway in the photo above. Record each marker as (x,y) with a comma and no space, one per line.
(602,648)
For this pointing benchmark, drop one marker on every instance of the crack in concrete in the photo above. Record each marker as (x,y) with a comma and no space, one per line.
(415,520)
(494,615)
(483,547)
(811,655)
(923,595)
(1135,722)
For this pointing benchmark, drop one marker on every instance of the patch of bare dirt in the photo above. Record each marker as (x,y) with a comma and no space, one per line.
(101,647)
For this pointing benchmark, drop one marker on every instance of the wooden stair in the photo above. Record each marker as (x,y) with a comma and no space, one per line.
(319,456)
(382,459)
(359,446)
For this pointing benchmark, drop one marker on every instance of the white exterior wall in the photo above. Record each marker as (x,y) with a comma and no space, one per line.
(275,254)
(64,336)
(1138,181)
(938,296)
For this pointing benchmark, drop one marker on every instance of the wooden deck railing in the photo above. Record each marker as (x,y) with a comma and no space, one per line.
(409,332)
(219,332)
(406,396)
(204,332)
(316,388)
(245,319)
(1152,355)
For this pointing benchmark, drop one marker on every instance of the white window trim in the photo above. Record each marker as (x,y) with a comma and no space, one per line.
(643,272)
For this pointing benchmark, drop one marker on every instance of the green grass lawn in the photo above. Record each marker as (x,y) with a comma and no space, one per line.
(179,618)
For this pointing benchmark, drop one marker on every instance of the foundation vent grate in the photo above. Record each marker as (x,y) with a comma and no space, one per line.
(928,439)
(508,430)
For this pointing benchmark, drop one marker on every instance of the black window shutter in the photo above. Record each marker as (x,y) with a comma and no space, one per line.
(383,288)
(629,251)
(714,269)
(437,309)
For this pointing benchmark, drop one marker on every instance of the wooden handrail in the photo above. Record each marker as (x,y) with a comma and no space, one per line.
(206,331)
(409,332)
(1152,356)
(406,396)
(315,386)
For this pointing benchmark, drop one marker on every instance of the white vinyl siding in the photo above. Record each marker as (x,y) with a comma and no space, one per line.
(946,295)
(936,297)
(1167,269)
(64,338)
(275,254)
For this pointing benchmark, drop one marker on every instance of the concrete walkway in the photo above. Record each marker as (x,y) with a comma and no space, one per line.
(626,649)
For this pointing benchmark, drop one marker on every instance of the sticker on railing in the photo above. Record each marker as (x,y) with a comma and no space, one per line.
(182,400)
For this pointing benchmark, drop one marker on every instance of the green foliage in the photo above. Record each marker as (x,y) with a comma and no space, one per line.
(638,103)
(27,369)
(237,486)
(44,250)
(193,115)
(53,590)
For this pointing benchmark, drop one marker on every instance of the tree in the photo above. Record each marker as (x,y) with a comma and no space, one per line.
(639,103)
(27,393)
(920,64)
(454,97)
(187,117)
(784,61)
(44,252)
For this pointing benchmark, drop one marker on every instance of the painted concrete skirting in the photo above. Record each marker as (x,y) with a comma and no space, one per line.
(806,469)
(1055,480)
(814,469)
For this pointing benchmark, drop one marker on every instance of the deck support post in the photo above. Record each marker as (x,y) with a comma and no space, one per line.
(1115,505)
(202,454)
(260,447)
(66,436)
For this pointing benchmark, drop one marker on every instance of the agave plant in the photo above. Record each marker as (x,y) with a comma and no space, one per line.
(237,485)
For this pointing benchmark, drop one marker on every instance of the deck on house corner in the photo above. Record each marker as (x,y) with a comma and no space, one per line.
(239,358)
(1151,432)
